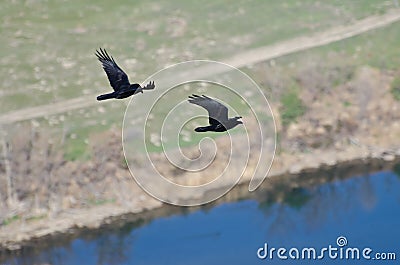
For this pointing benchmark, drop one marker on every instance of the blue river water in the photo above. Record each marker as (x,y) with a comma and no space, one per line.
(363,210)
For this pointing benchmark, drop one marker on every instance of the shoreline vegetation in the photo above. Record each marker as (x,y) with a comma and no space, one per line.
(22,235)
(85,222)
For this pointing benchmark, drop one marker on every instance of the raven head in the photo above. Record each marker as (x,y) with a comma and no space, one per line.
(139,89)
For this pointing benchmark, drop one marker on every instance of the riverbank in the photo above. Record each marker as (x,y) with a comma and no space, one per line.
(289,170)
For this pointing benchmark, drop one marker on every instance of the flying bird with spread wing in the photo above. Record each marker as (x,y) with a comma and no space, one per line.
(118,79)
(217,114)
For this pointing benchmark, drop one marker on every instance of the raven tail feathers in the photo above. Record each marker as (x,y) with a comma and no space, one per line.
(202,129)
(105,96)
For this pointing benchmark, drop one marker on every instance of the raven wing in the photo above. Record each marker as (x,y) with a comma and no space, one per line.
(115,74)
(149,86)
(217,112)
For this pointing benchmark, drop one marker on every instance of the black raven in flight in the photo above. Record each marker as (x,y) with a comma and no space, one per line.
(217,114)
(118,79)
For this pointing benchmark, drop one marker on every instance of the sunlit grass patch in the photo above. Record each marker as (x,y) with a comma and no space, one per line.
(292,107)
(11,219)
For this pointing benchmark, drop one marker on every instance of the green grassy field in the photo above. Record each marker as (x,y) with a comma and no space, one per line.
(378,49)
(47,52)
(48,47)
(331,66)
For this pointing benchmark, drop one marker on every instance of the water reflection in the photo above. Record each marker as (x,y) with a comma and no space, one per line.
(364,208)
(310,208)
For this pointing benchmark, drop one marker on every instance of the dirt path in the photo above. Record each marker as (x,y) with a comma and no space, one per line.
(240,60)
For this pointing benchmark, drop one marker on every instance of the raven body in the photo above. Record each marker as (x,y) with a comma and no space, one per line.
(217,114)
(118,79)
